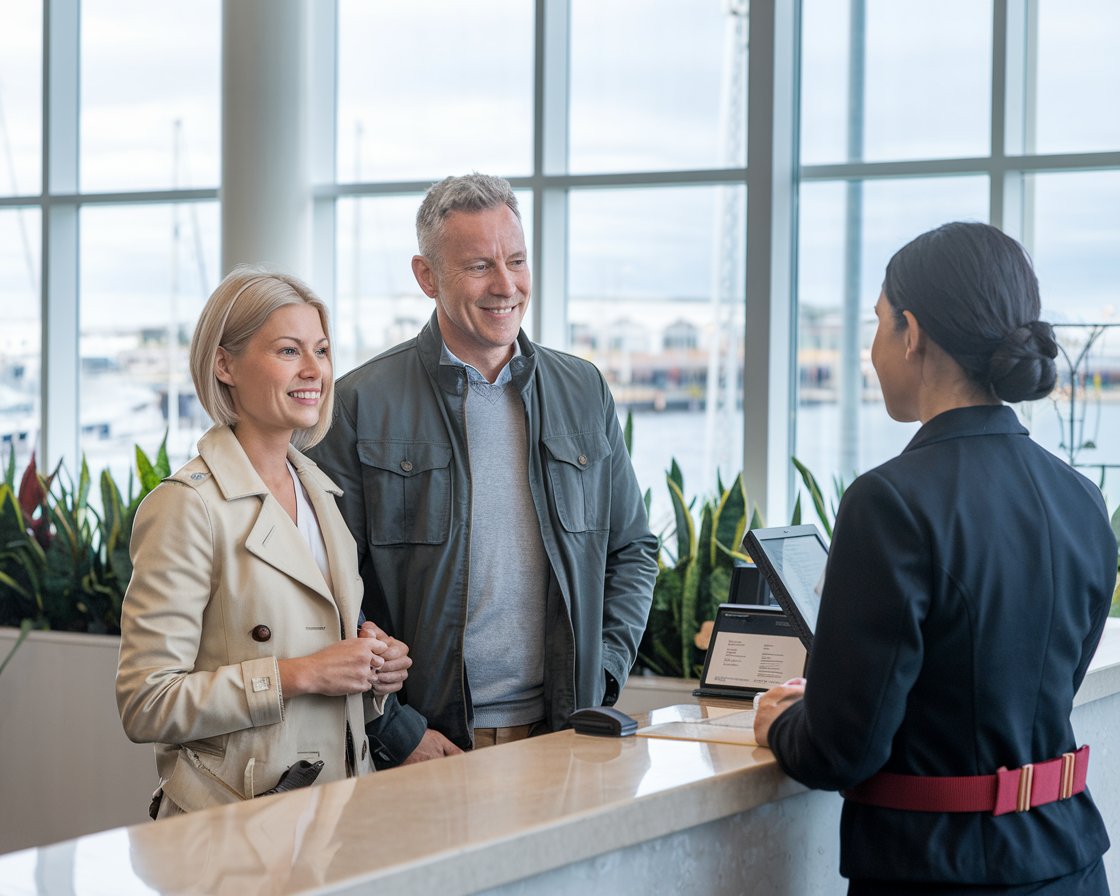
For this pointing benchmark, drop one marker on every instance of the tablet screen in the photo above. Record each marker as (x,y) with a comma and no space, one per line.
(797,557)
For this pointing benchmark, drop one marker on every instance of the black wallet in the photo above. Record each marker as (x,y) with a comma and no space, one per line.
(302,774)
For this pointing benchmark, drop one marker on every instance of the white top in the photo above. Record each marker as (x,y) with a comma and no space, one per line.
(308,525)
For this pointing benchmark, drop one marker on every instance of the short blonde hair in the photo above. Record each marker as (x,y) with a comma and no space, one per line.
(235,311)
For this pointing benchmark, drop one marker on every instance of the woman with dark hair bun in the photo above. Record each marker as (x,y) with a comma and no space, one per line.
(967,587)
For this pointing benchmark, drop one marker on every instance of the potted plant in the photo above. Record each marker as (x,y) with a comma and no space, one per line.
(64,567)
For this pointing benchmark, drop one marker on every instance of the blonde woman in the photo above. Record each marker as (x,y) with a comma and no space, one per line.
(240,650)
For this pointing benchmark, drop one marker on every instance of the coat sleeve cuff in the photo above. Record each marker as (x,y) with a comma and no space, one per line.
(261,679)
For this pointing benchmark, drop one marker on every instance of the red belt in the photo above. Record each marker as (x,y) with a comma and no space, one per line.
(1014,790)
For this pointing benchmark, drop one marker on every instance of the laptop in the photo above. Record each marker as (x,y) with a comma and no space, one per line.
(752,649)
(792,559)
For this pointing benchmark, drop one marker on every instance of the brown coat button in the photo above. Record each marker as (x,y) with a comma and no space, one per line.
(261,633)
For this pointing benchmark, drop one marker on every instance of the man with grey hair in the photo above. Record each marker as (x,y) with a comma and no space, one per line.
(500,527)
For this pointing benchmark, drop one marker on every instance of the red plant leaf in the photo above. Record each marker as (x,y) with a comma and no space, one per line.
(32,496)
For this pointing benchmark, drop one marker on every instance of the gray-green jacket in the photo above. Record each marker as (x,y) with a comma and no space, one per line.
(398,450)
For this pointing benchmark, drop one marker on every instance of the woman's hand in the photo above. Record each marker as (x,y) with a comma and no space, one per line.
(771,704)
(396,662)
(345,667)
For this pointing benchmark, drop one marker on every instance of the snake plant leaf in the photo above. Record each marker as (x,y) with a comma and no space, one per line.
(10,469)
(628,433)
(152,474)
(149,478)
(690,592)
(815,495)
(795,519)
(735,557)
(686,530)
(81,493)
(729,515)
(756,519)
(675,474)
(707,525)
(163,463)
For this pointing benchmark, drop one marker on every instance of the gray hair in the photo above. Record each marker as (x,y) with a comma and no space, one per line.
(466,193)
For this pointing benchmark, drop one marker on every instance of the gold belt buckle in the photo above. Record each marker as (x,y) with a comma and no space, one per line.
(1065,790)
(1026,779)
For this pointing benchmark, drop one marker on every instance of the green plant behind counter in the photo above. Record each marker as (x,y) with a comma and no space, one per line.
(63,565)
(694,575)
(698,554)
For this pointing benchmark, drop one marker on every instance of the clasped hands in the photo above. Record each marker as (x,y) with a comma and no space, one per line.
(390,661)
(373,661)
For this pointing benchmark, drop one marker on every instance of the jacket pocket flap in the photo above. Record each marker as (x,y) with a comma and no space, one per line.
(404,458)
(580,449)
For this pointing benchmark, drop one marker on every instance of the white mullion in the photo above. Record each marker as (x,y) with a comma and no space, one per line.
(1010,116)
(550,159)
(323,76)
(768,376)
(59,287)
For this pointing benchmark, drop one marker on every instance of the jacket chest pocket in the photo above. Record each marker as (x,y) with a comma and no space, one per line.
(579,471)
(407,491)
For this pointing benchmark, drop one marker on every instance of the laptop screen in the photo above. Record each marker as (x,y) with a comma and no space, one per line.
(793,559)
(752,649)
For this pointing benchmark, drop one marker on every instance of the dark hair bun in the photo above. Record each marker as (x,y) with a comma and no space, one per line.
(1022,366)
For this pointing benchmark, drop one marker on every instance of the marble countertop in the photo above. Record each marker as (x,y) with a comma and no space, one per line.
(457,825)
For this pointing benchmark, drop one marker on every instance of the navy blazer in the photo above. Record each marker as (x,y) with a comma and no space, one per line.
(967,586)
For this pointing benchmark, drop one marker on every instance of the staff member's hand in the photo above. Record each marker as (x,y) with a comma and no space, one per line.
(396,662)
(771,704)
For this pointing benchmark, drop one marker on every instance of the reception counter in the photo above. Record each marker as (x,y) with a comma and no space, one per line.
(559,814)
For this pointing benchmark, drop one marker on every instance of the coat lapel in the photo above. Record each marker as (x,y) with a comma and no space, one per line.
(275,540)
(273,537)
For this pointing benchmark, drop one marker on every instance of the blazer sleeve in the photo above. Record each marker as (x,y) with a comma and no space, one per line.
(868,646)
(162,697)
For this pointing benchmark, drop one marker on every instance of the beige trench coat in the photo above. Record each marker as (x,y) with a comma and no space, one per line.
(216,558)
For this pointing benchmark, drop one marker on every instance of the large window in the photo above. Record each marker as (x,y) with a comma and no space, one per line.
(145,272)
(21,98)
(150,79)
(915,114)
(624,129)
(20,334)
(429,88)
(628,135)
(121,179)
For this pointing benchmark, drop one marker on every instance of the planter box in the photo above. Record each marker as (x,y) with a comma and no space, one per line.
(67,768)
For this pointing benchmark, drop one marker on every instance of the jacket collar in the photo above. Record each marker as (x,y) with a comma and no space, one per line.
(452,379)
(234,473)
(977,420)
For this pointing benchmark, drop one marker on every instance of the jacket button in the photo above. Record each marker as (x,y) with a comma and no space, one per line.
(406,465)
(582,460)
(261,633)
